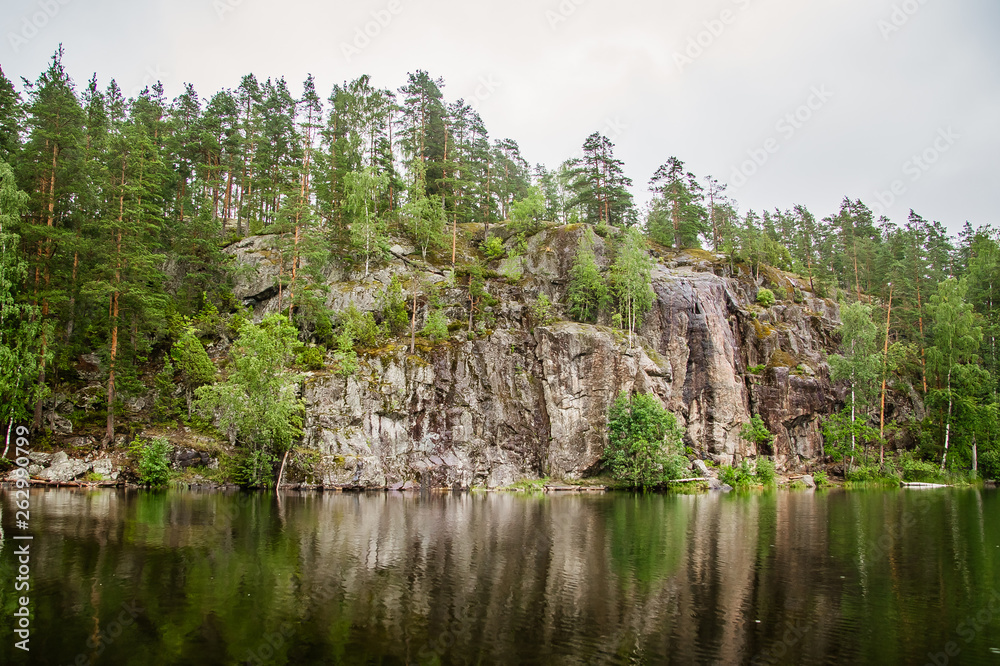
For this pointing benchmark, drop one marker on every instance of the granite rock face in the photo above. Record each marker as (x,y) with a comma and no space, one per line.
(526,398)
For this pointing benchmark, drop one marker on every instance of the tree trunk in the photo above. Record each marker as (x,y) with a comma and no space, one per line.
(281,471)
(885,369)
(947,425)
(851,464)
(975,455)
(110,434)
(413,324)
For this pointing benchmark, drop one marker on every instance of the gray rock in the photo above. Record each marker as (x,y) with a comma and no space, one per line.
(701,468)
(43,459)
(809,481)
(60,424)
(105,467)
(64,469)
(528,399)
(715,484)
(88,367)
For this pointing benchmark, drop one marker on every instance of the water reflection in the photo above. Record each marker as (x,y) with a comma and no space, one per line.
(504,578)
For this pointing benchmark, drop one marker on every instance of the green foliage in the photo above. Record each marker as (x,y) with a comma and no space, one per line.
(765,472)
(254,468)
(820,478)
(844,436)
(678,216)
(644,441)
(436,326)
(756,432)
(989,464)
(20,324)
(756,369)
(344,354)
(870,475)
(257,404)
(392,305)
(207,322)
(543,310)
(361,327)
(152,460)
(738,477)
(920,471)
(512,268)
(368,229)
(765,297)
(587,293)
(745,476)
(599,185)
(193,363)
(165,403)
(493,248)
(310,358)
(424,218)
(956,337)
(631,276)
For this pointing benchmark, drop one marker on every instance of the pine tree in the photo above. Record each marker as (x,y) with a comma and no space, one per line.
(193,363)
(599,184)
(681,195)
(49,171)
(125,274)
(11,120)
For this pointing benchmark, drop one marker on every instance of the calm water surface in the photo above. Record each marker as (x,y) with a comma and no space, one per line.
(878,577)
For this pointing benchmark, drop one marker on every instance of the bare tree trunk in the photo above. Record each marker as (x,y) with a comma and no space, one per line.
(413,324)
(281,471)
(885,370)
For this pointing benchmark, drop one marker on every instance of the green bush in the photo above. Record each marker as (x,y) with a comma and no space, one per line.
(151,459)
(511,268)
(436,327)
(254,468)
(543,310)
(493,248)
(765,297)
(756,369)
(761,473)
(820,479)
(920,471)
(757,433)
(358,328)
(871,475)
(644,441)
(738,477)
(310,358)
(765,472)
(392,305)
(989,464)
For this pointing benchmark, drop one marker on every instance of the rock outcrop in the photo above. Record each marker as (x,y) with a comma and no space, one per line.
(526,397)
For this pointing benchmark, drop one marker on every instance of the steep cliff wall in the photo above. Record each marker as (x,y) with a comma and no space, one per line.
(522,399)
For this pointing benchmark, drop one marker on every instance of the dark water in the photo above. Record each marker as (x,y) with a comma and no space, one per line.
(183,578)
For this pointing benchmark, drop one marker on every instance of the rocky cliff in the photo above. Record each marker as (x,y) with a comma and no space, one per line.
(526,396)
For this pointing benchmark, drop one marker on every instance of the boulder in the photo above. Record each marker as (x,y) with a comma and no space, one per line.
(64,468)
(701,468)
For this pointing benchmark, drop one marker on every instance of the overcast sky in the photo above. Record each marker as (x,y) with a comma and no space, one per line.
(787,101)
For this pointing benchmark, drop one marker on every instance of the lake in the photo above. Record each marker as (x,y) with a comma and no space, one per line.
(138,577)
